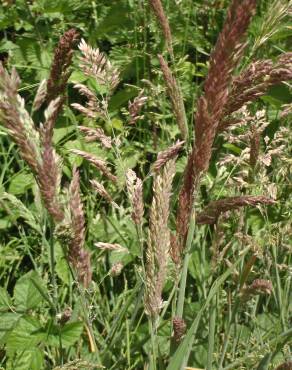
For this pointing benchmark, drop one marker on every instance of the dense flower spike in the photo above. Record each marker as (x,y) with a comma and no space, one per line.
(159,239)
(135,194)
(78,256)
(60,72)
(223,62)
(214,209)
(94,134)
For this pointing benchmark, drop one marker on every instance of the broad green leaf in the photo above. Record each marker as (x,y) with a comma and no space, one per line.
(7,321)
(5,300)
(20,183)
(31,359)
(26,335)
(61,132)
(26,295)
(70,333)
(62,268)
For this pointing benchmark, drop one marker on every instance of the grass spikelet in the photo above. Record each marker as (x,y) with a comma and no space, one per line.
(110,247)
(214,209)
(95,64)
(93,134)
(102,192)
(98,163)
(135,107)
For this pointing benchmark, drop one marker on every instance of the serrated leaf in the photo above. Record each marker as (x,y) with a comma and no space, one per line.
(26,295)
(31,359)
(26,335)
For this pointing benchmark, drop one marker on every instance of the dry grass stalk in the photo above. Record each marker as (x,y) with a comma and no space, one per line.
(166,155)
(95,64)
(60,72)
(159,239)
(223,61)
(214,209)
(254,82)
(93,134)
(77,255)
(110,247)
(102,192)
(176,98)
(135,193)
(158,10)
(135,107)
(100,164)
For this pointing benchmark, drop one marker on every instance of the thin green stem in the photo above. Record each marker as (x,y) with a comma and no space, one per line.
(211,336)
(184,274)
(153,356)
